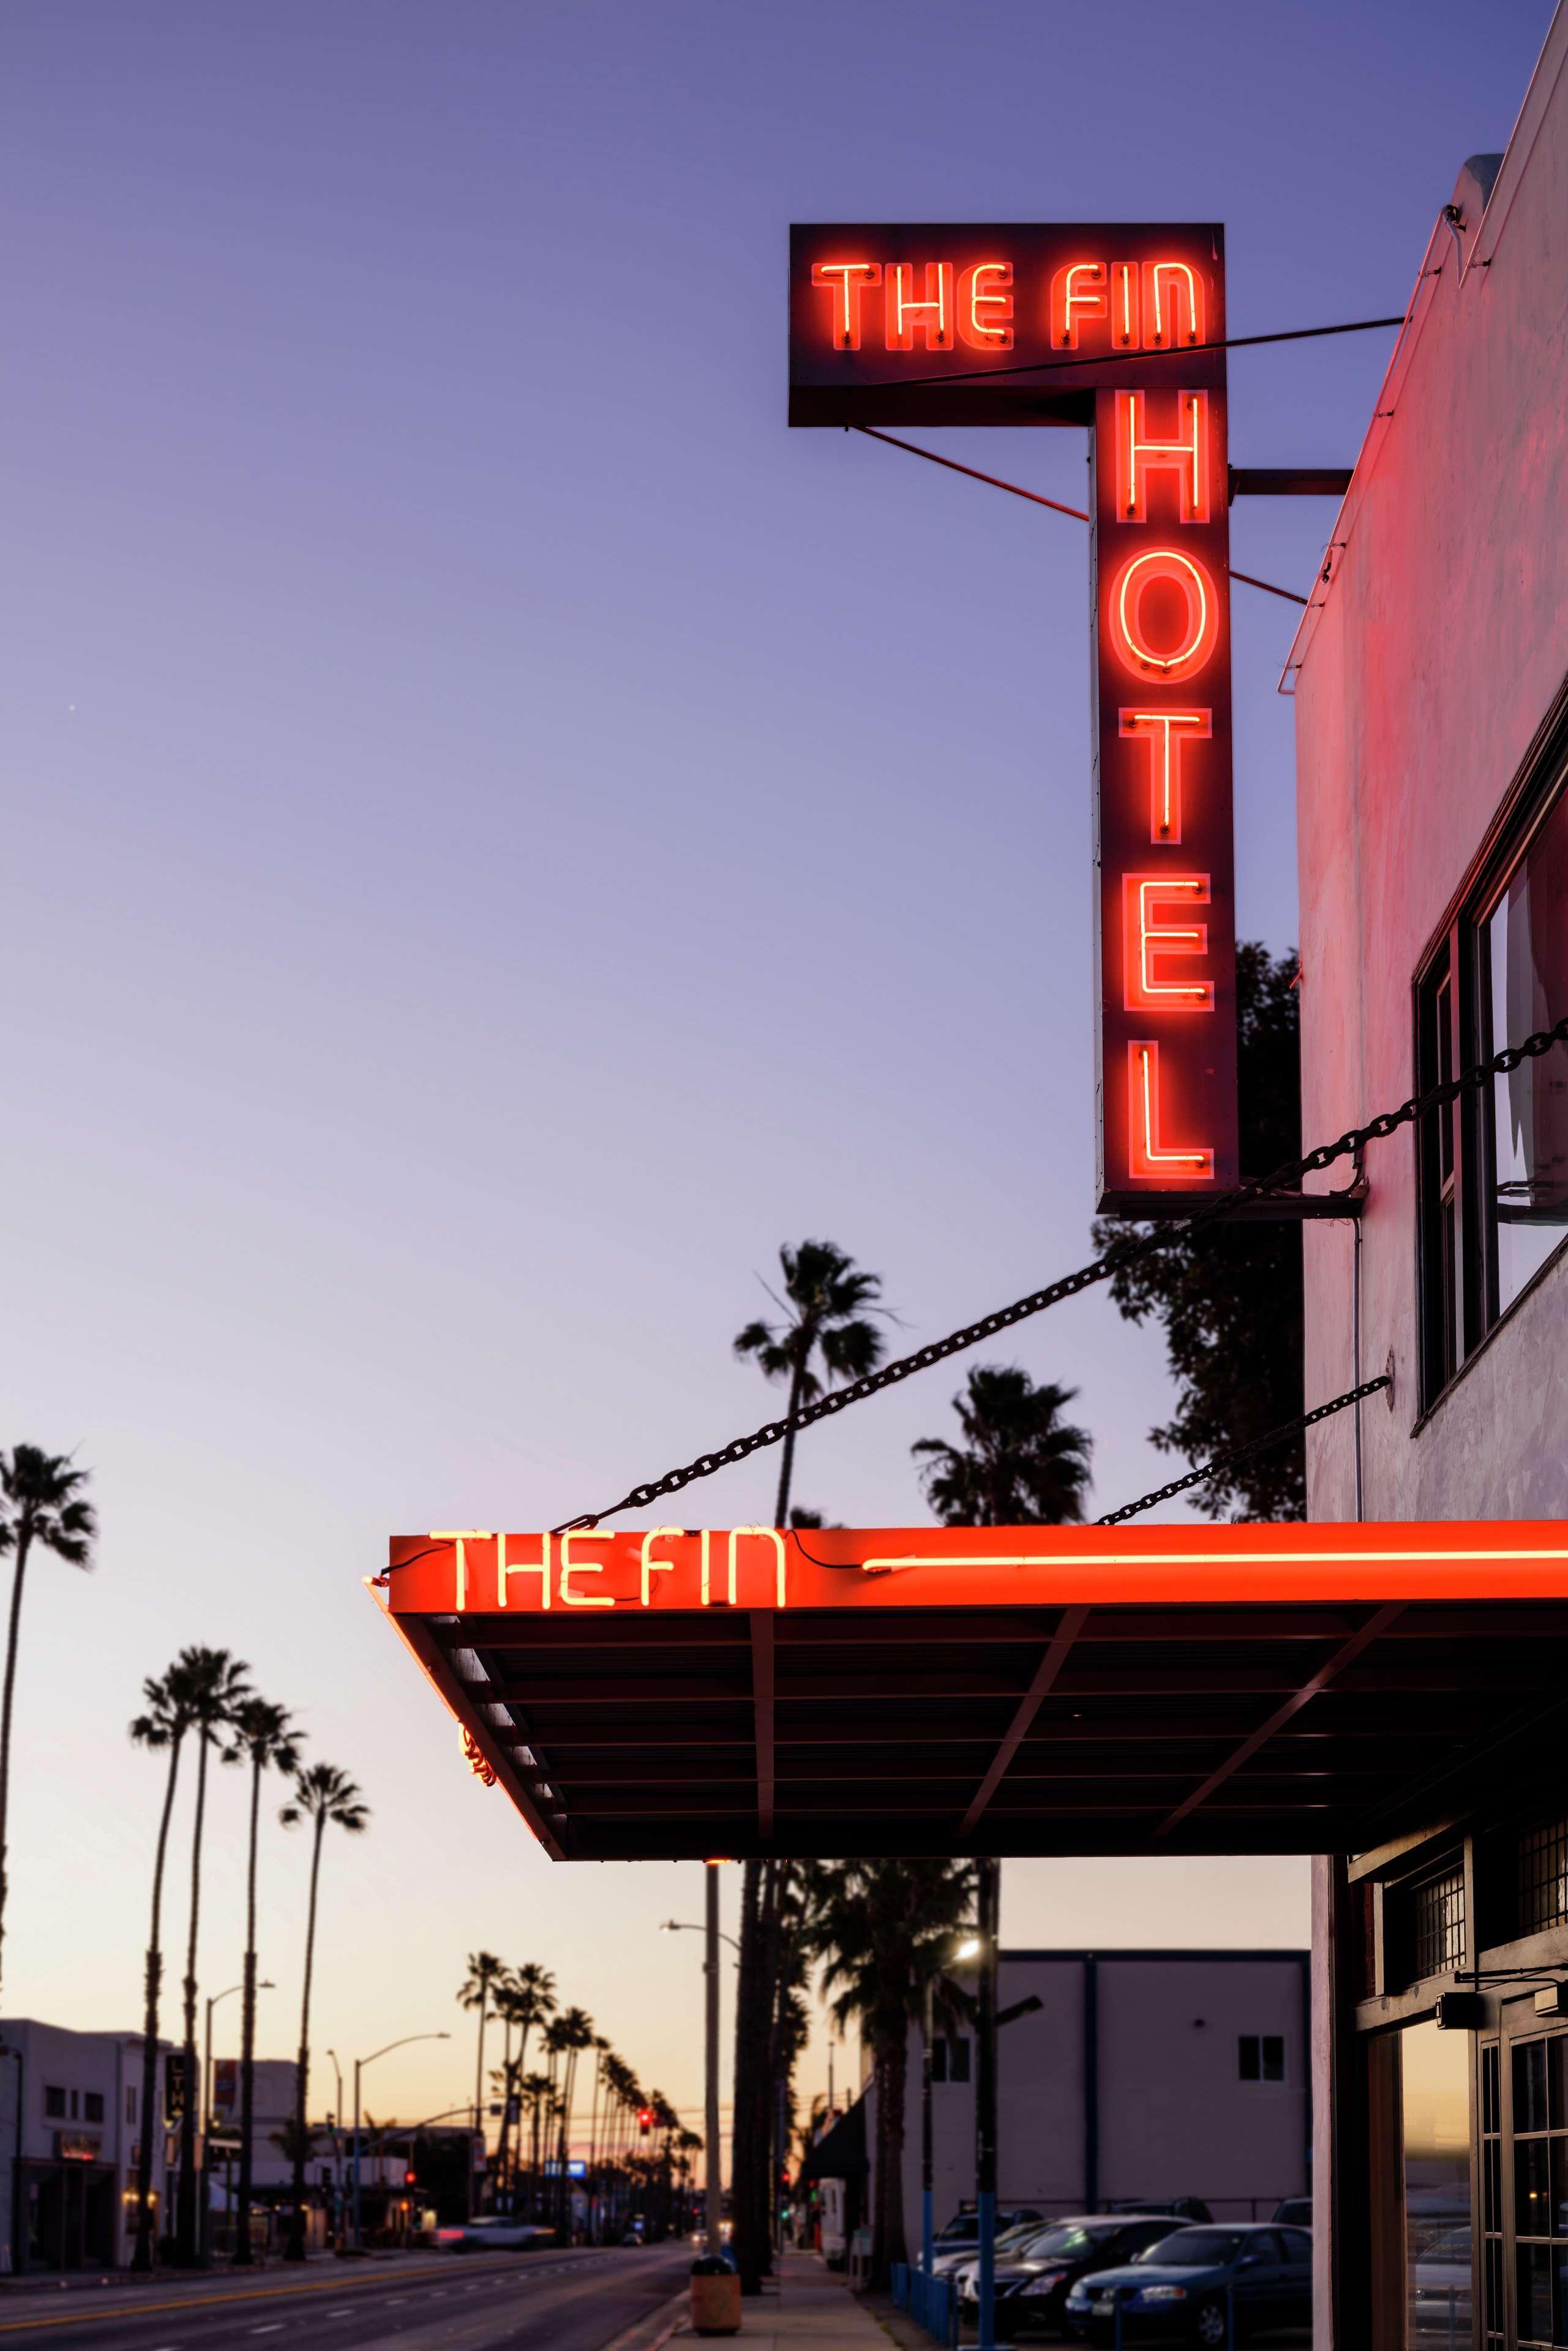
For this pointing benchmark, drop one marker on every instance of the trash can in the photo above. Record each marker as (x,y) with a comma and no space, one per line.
(715,2296)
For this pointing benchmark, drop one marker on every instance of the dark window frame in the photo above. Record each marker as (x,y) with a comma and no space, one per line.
(1457,1284)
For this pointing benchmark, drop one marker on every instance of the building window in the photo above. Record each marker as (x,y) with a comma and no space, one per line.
(1543,1876)
(1494,1169)
(54,2103)
(1260,2057)
(950,2058)
(1437,1921)
(130,2105)
(92,2106)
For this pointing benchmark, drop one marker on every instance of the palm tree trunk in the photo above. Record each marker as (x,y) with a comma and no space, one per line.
(141,2259)
(504,2133)
(749,2134)
(187,2232)
(294,2250)
(24,1544)
(478,2085)
(787,1458)
(888,2244)
(248,2025)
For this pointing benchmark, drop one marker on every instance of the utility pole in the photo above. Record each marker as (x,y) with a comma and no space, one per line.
(989,1889)
(715,2195)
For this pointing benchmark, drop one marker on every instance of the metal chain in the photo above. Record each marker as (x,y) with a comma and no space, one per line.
(1071,1285)
(1239,1453)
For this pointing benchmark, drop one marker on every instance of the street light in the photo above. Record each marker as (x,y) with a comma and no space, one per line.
(207,2105)
(680,1926)
(359,2064)
(968,1949)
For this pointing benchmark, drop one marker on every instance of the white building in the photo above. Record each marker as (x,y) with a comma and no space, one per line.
(70,2134)
(1141,2076)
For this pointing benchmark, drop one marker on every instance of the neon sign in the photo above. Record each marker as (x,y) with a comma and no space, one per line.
(695,1568)
(1098,326)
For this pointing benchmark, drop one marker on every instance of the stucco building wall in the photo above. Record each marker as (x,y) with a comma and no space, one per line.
(1423,676)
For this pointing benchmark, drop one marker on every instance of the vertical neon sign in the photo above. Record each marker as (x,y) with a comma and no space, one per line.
(1163,848)
(1112,328)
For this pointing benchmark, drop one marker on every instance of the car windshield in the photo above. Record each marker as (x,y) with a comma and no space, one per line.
(1064,2242)
(1193,2249)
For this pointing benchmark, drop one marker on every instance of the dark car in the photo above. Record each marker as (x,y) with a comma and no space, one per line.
(964,2228)
(1033,2282)
(1206,2286)
(1295,2212)
(950,2260)
(1181,2208)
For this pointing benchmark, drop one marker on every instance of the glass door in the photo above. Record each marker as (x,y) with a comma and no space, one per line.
(1537,2131)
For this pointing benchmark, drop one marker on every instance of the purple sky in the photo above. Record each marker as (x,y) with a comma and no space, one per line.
(498,835)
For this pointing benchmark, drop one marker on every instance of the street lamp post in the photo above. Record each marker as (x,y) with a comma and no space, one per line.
(359,2064)
(989,1908)
(207,2098)
(713,2195)
(966,1950)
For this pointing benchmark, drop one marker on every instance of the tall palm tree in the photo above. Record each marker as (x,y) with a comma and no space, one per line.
(265,1738)
(883,1930)
(524,1998)
(43,1505)
(1020,1464)
(575,2028)
(824,1291)
(324,1797)
(162,1729)
(534,2090)
(485,1972)
(215,1688)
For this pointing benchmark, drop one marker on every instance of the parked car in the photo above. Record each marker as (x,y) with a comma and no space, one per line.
(1210,2285)
(1009,2240)
(964,2228)
(1295,2212)
(1033,2281)
(494,2233)
(1184,2208)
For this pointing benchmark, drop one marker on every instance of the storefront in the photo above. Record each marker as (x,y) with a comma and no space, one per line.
(69,2209)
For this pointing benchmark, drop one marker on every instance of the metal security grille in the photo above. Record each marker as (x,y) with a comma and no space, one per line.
(1543,1876)
(1437,1921)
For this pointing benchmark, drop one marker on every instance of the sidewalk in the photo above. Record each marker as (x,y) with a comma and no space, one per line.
(812,2306)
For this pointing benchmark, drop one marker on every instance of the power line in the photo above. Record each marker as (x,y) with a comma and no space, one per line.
(995,482)
(1106,358)
(1071,1285)
(1233,1459)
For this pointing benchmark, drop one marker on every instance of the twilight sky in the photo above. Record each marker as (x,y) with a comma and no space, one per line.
(500,833)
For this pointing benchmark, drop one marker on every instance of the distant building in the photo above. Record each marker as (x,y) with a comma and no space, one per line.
(70,2136)
(1141,2076)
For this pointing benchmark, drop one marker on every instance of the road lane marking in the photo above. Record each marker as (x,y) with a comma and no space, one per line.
(128,2309)
(276,2327)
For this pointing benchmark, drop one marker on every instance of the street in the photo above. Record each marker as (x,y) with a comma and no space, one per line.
(558,2301)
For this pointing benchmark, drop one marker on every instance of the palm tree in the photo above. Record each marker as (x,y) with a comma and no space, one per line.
(42,1507)
(883,1930)
(264,1736)
(824,1291)
(163,1726)
(322,1795)
(485,1972)
(575,2028)
(1020,1463)
(534,2090)
(215,1688)
(525,1998)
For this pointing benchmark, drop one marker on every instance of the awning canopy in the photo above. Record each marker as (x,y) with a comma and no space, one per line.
(696,1694)
(839,2153)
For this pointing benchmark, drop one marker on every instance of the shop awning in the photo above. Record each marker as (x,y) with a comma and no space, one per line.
(691,1693)
(839,2153)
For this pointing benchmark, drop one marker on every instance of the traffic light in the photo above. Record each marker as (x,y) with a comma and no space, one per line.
(644,2120)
